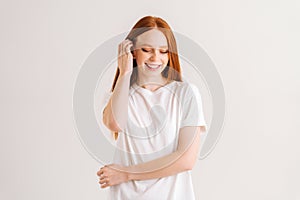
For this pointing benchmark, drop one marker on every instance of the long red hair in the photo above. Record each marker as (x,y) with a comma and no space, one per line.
(145,24)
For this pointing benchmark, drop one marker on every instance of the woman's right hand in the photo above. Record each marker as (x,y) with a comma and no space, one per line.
(125,58)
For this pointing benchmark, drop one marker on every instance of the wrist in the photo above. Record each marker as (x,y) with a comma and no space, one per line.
(125,73)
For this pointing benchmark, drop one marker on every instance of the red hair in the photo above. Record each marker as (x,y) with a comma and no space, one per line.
(145,24)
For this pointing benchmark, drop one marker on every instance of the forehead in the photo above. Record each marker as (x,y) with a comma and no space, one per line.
(153,38)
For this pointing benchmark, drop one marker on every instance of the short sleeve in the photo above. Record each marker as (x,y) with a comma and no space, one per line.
(191,108)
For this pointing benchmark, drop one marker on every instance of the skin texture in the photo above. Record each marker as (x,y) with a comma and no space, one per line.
(151,48)
(116,122)
(182,159)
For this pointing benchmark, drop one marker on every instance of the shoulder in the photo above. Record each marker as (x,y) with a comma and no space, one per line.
(185,87)
(187,91)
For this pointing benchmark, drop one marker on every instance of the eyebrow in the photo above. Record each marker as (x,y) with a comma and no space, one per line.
(151,46)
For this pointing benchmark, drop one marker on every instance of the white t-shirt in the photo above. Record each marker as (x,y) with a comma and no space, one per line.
(154,121)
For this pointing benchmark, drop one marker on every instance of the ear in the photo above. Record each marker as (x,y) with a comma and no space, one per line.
(133,54)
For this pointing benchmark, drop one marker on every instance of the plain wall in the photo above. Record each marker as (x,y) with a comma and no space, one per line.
(254,45)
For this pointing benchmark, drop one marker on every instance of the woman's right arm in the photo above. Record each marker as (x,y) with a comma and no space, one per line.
(115,113)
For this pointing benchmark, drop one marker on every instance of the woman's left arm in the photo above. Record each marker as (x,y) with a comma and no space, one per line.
(182,159)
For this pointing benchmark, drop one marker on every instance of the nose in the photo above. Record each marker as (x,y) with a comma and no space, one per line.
(155,54)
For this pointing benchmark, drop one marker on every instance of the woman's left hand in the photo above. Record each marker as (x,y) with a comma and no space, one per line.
(112,174)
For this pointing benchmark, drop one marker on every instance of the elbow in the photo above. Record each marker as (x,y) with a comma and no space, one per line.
(111,125)
(188,162)
(189,165)
(109,121)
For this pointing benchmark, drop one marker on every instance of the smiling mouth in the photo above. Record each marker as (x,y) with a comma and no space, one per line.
(152,66)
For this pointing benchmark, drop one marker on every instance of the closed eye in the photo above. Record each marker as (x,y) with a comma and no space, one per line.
(145,50)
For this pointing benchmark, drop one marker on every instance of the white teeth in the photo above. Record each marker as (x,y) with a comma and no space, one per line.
(152,66)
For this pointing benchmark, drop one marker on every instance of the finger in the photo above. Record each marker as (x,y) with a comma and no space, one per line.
(122,46)
(128,44)
(104,185)
(126,49)
(100,172)
(104,180)
(103,177)
(125,42)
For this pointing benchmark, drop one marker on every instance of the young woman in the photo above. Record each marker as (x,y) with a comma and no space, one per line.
(156,119)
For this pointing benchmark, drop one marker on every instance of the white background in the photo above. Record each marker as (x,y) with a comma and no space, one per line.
(254,44)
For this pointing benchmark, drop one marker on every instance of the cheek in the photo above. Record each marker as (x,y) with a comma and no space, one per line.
(166,59)
(140,57)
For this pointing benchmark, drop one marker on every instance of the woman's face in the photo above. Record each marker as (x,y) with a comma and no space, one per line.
(151,52)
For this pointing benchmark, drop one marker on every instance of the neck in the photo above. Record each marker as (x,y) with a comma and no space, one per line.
(151,83)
